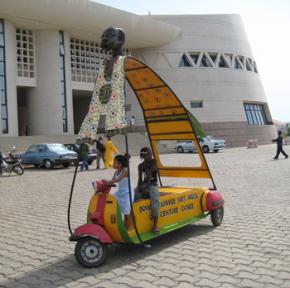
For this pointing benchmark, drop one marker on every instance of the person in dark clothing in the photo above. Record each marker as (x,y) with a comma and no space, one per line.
(148,185)
(100,151)
(279,141)
(84,151)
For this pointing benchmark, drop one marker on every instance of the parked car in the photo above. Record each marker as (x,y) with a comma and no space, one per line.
(207,144)
(48,155)
(76,148)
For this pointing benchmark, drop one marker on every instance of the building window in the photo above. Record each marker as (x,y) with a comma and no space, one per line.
(62,81)
(205,61)
(217,60)
(229,58)
(255,67)
(25,53)
(3,89)
(213,56)
(86,57)
(184,62)
(196,104)
(194,57)
(249,64)
(222,62)
(255,114)
(237,63)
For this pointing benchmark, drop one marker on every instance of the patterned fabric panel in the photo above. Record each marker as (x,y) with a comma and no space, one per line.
(108,99)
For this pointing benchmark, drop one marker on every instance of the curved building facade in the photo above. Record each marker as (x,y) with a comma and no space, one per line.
(49,63)
(210,66)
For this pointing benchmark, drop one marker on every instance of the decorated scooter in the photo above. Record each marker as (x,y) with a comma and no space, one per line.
(166,119)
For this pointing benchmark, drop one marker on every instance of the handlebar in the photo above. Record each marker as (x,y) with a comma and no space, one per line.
(113,185)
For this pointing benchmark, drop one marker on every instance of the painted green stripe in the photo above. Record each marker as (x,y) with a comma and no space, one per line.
(121,227)
(150,235)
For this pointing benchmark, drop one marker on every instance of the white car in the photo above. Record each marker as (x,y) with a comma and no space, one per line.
(207,144)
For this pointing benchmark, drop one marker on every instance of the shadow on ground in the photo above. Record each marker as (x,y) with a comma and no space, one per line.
(67,270)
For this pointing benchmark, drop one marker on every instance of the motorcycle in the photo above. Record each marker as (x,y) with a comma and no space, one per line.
(12,165)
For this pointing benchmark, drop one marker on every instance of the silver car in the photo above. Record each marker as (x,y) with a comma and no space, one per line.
(207,144)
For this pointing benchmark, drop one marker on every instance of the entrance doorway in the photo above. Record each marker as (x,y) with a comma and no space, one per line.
(81,102)
(23,115)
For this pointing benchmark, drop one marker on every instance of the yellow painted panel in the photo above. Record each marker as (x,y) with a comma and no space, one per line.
(110,213)
(174,189)
(143,78)
(182,189)
(92,206)
(159,97)
(179,173)
(188,136)
(169,127)
(169,111)
(174,207)
(131,63)
(110,219)
(204,201)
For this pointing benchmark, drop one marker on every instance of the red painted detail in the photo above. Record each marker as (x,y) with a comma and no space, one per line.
(98,215)
(101,187)
(102,190)
(95,231)
(214,200)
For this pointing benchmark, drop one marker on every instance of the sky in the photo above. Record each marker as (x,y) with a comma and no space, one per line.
(267,24)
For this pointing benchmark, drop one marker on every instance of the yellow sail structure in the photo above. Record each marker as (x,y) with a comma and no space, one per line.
(165,116)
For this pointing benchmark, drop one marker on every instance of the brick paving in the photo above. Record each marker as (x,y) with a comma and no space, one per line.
(250,249)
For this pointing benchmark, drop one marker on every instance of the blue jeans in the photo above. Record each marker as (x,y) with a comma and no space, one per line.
(85,165)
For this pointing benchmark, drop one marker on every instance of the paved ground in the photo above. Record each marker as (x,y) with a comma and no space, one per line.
(250,249)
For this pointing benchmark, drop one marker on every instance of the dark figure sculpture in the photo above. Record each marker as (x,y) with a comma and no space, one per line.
(279,141)
(113,39)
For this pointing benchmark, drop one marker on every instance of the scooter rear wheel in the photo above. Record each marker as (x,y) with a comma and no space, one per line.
(90,252)
(217,216)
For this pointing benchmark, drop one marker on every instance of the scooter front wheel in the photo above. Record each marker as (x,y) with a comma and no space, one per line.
(90,252)
(18,170)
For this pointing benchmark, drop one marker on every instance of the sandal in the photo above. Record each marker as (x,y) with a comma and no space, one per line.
(156,231)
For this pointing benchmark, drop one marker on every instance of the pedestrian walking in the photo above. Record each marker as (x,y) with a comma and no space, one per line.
(110,152)
(84,151)
(100,151)
(279,141)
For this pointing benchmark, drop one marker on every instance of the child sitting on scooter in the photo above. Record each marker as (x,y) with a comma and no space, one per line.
(121,178)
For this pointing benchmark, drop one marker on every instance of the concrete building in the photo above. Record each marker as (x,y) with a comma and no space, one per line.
(49,59)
